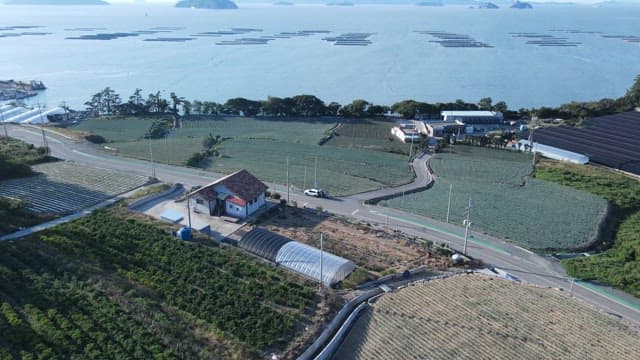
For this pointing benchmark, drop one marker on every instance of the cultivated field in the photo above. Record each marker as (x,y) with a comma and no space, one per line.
(261,146)
(505,201)
(368,134)
(480,317)
(64,187)
(118,128)
(114,285)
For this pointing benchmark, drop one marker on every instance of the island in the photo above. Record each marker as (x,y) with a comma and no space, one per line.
(487,5)
(430,3)
(55,2)
(14,90)
(521,5)
(207,4)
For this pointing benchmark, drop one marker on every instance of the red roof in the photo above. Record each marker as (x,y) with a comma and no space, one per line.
(241,183)
(236,200)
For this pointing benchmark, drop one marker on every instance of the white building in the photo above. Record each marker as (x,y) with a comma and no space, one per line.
(554,152)
(479,117)
(406,133)
(237,195)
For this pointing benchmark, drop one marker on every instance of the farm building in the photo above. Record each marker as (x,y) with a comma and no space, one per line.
(298,257)
(406,133)
(554,152)
(440,128)
(473,117)
(237,195)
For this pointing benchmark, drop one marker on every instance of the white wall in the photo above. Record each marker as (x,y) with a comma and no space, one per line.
(256,205)
(235,210)
(204,208)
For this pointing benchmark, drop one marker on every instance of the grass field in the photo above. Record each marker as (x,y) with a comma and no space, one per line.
(117,128)
(479,317)
(261,146)
(619,265)
(118,286)
(540,215)
(370,135)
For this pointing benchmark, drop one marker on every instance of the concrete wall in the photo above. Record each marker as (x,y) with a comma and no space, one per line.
(205,208)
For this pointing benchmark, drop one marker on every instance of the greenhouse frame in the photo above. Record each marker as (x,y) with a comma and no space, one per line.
(296,256)
(305,260)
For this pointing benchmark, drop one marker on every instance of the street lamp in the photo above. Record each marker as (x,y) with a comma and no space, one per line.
(467,225)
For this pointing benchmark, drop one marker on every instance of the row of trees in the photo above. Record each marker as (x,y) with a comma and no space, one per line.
(108,102)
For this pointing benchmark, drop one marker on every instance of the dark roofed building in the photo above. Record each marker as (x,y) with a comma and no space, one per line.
(238,195)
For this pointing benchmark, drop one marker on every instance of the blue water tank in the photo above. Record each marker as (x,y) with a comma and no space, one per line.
(184,233)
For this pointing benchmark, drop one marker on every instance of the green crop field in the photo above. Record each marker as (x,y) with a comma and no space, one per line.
(117,128)
(340,171)
(262,145)
(539,215)
(301,131)
(111,286)
(370,135)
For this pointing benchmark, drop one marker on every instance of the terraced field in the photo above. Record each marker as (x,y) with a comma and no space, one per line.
(505,202)
(480,317)
(63,187)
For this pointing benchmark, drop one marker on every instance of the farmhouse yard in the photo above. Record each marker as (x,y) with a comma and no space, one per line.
(481,317)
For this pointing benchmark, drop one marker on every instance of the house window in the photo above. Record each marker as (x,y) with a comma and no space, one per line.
(199,201)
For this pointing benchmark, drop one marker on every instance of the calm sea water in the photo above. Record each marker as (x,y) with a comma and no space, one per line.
(399,64)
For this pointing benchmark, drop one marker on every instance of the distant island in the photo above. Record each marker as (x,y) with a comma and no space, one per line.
(13,90)
(430,3)
(486,5)
(207,4)
(55,2)
(521,5)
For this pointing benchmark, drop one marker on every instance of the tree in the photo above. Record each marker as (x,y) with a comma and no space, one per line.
(242,106)
(175,102)
(357,108)
(196,107)
(273,106)
(308,105)
(501,106)
(333,109)
(485,104)
(186,107)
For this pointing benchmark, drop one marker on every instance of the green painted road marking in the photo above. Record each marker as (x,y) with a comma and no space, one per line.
(473,240)
(609,296)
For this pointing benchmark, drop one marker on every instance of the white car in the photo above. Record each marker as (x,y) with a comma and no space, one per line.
(315,192)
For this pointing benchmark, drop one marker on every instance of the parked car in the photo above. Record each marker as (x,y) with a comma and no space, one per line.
(315,192)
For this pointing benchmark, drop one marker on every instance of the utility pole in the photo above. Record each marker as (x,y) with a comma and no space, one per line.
(571,287)
(449,203)
(467,224)
(189,210)
(288,188)
(402,201)
(6,134)
(321,260)
(304,183)
(45,143)
(153,165)
(315,175)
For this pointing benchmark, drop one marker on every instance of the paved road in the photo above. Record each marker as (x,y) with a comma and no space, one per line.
(530,267)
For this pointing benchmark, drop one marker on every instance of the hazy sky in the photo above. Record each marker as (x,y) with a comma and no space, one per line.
(405,2)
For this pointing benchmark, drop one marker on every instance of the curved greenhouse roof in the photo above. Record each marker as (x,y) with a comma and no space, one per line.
(305,260)
(263,243)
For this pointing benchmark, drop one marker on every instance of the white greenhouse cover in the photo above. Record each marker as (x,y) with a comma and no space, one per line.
(557,153)
(305,259)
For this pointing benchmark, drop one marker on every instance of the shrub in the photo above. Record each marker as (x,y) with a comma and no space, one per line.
(95,139)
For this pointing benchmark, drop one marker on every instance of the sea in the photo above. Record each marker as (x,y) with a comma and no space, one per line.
(545,56)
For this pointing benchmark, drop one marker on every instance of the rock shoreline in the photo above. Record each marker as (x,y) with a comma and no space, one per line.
(14,90)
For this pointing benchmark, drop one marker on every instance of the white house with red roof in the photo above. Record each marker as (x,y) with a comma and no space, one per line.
(237,195)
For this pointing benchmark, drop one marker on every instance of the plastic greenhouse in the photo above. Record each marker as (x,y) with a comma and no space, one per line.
(305,260)
(263,243)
